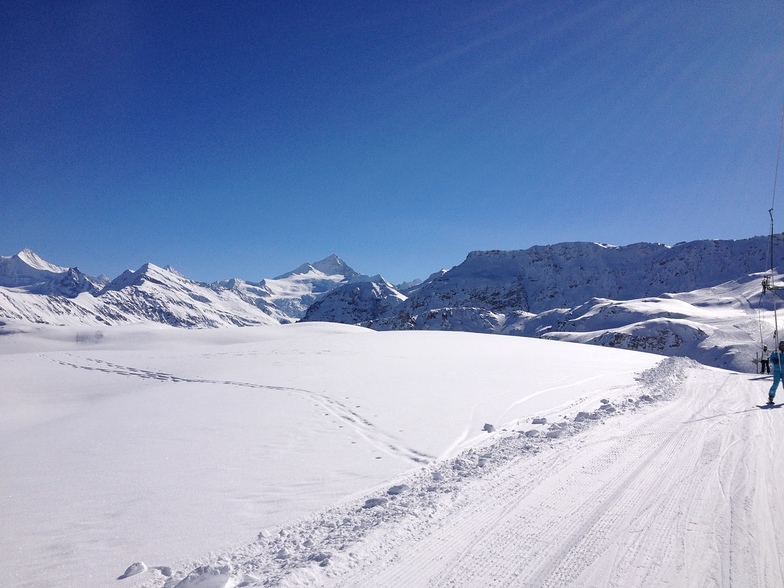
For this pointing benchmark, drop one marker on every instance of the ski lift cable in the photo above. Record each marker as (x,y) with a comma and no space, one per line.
(778,158)
(775,186)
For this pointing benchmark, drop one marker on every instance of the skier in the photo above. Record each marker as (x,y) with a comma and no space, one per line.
(776,359)
(764,362)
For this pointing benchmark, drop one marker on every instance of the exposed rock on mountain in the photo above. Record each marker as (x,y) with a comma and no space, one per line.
(569,274)
(356,303)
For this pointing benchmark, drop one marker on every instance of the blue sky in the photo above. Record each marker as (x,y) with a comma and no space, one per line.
(240,139)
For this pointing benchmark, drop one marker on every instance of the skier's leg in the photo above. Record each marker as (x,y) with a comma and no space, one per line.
(776,379)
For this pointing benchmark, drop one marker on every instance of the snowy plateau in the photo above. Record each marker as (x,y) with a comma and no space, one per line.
(327,428)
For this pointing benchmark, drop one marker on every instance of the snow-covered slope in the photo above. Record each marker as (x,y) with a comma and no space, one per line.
(294,291)
(723,326)
(356,303)
(148,294)
(693,299)
(328,455)
(34,290)
(27,272)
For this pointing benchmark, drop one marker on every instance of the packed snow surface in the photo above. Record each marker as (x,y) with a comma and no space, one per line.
(328,455)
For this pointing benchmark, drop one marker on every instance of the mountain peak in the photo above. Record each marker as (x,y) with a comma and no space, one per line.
(35,275)
(331,265)
(149,272)
(31,259)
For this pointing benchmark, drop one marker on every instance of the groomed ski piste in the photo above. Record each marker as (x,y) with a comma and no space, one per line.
(328,455)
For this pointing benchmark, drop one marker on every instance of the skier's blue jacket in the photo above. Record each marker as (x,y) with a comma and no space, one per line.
(776,359)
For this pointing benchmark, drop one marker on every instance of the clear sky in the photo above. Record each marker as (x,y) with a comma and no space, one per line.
(240,139)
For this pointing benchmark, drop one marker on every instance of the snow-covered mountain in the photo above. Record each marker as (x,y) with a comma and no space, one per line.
(356,303)
(150,294)
(294,291)
(697,299)
(165,296)
(34,290)
(568,274)
(27,272)
(634,297)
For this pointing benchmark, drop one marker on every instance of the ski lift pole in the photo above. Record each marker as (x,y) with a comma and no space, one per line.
(776,339)
(770,253)
(768,285)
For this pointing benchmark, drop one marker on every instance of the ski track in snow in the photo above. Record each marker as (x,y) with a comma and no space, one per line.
(680,491)
(385,442)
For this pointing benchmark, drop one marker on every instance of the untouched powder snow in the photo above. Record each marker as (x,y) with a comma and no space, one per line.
(327,455)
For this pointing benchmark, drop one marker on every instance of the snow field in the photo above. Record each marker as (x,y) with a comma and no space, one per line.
(681,494)
(360,542)
(328,455)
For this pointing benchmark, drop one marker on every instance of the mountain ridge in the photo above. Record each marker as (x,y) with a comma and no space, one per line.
(37,291)
(589,293)
(36,276)
(644,296)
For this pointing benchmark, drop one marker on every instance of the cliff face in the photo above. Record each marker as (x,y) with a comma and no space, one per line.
(568,274)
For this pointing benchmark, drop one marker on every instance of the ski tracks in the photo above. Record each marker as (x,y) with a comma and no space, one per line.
(541,523)
(680,495)
(675,493)
(363,427)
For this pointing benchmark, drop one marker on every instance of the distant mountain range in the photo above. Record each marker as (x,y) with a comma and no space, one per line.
(700,299)
(36,291)
(565,275)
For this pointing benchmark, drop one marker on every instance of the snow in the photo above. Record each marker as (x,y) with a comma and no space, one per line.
(36,291)
(638,297)
(133,569)
(294,291)
(319,454)
(29,258)
(360,302)
(27,272)
(298,285)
